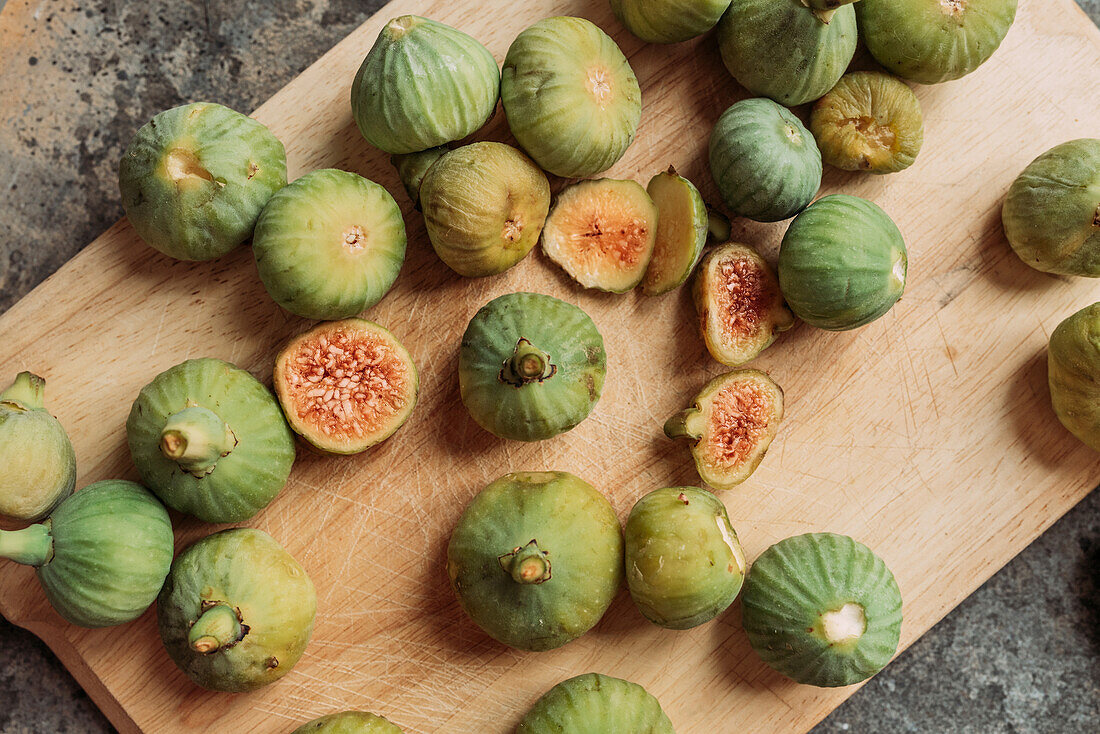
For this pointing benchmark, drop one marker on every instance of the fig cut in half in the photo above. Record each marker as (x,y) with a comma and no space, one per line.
(602,232)
(346,385)
(731,425)
(682,226)
(741,309)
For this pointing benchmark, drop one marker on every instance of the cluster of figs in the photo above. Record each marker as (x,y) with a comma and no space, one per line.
(537,557)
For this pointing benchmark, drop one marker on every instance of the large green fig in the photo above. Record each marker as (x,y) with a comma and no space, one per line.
(484,206)
(1073,369)
(536,559)
(210,441)
(571,98)
(530,366)
(596,704)
(195,178)
(842,263)
(423,84)
(684,564)
(348,722)
(1051,216)
(785,49)
(764,160)
(669,21)
(932,41)
(39,464)
(822,609)
(101,556)
(236,611)
(330,244)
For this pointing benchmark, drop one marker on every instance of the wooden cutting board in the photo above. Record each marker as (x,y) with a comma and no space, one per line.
(928,434)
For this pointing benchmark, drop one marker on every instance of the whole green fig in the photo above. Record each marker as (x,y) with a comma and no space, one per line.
(1073,368)
(348,722)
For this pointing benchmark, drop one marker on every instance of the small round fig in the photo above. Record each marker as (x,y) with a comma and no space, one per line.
(602,232)
(596,704)
(412,167)
(1073,369)
(731,425)
(684,564)
(571,98)
(195,178)
(668,21)
(39,464)
(330,244)
(346,385)
(349,722)
(682,226)
(871,122)
(1051,215)
(741,310)
(484,206)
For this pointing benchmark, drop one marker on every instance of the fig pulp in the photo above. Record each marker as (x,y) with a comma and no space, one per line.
(102,555)
(536,559)
(348,722)
(484,206)
(682,226)
(741,310)
(602,233)
(1073,369)
(210,440)
(596,704)
(346,385)
(822,609)
(684,564)
(236,611)
(871,122)
(330,244)
(731,425)
(39,464)
(530,366)
(571,98)
(195,178)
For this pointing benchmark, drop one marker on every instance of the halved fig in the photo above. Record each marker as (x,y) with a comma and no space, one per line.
(682,226)
(346,385)
(602,233)
(741,309)
(731,425)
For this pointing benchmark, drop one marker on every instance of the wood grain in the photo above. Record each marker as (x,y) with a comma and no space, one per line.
(928,434)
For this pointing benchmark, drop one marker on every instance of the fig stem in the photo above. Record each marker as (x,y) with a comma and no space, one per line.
(27,392)
(31,546)
(825,9)
(527,364)
(683,425)
(527,565)
(216,628)
(195,438)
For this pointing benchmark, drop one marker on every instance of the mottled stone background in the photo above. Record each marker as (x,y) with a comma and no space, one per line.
(78,78)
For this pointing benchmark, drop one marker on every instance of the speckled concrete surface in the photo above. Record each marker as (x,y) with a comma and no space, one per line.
(77,78)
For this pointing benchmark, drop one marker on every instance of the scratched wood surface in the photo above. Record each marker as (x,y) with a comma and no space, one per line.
(927,435)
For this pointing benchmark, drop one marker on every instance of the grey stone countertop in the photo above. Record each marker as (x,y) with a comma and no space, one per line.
(1022,654)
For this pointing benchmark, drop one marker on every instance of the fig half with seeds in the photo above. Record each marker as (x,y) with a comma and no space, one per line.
(484,206)
(682,226)
(731,425)
(330,244)
(349,722)
(602,232)
(346,385)
(236,611)
(195,178)
(741,310)
(869,121)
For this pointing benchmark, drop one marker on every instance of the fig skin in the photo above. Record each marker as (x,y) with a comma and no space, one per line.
(1073,372)
(246,572)
(668,21)
(684,564)
(484,207)
(822,609)
(871,122)
(195,178)
(571,98)
(423,84)
(412,167)
(348,722)
(330,244)
(683,224)
(39,464)
(760,311)
(596,704)
(536,559)
(933,41)
(1051,215)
